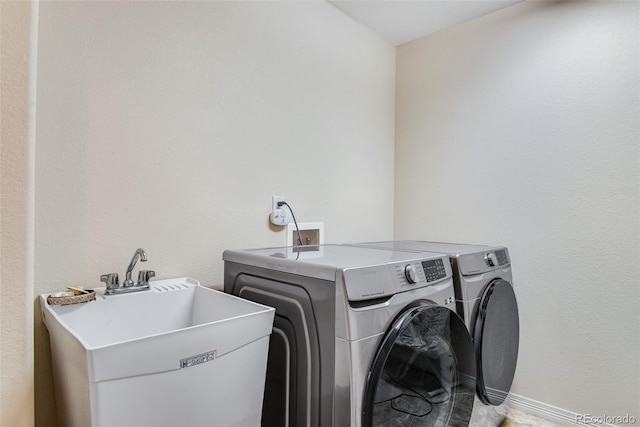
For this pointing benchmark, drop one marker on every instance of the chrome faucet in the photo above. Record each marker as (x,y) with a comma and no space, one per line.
(139,254)
(111,279)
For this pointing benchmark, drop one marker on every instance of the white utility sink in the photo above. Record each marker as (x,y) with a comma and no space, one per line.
(177,354)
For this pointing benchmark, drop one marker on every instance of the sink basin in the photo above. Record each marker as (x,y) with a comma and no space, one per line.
(177,354)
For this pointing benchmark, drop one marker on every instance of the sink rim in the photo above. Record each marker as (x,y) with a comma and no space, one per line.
(185,283)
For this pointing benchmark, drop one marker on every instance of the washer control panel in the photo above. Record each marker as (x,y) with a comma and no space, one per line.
(422,272)
(434,269)
(383,280)
(410,273)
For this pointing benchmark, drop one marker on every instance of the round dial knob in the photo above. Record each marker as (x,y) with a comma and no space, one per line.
(490,259)
(410,273)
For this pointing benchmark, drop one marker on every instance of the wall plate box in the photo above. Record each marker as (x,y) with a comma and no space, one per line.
(177,354)
(312,233)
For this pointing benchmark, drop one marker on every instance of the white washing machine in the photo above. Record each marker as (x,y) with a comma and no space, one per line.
(361,337)
(485,299)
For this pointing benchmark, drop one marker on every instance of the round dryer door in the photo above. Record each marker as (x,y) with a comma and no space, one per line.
(495,337)
(424,371)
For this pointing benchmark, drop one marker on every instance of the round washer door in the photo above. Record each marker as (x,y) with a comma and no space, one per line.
(495,337)
(424,372)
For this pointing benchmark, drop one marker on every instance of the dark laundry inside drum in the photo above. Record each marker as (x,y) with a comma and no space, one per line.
(394,396)
(422,382)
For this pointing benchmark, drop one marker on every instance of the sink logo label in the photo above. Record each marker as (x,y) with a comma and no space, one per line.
(196,360)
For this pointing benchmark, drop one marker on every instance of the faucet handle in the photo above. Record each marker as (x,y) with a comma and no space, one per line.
(111,279)
(144,276)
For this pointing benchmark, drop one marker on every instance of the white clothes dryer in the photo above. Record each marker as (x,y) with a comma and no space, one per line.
(485,299)
(361,337)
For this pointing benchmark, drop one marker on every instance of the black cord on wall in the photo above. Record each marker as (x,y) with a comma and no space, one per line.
(280,204)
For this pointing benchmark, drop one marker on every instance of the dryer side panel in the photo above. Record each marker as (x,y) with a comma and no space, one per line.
(300,369)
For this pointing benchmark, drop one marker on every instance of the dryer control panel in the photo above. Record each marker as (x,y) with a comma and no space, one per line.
(480,262)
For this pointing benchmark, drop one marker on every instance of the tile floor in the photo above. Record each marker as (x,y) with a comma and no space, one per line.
(503,416)
(521,419)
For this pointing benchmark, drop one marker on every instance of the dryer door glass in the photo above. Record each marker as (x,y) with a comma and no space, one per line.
(423,373)
(495,336)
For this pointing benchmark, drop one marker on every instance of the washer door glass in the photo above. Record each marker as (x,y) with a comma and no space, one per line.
(496,336)
(424,371)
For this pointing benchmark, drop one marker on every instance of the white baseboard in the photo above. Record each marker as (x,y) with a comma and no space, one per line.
(557,415)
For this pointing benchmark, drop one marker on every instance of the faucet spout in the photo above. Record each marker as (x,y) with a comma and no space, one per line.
(141,255)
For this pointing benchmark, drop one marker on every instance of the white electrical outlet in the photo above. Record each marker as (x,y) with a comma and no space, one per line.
(279,215)
(274,202)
